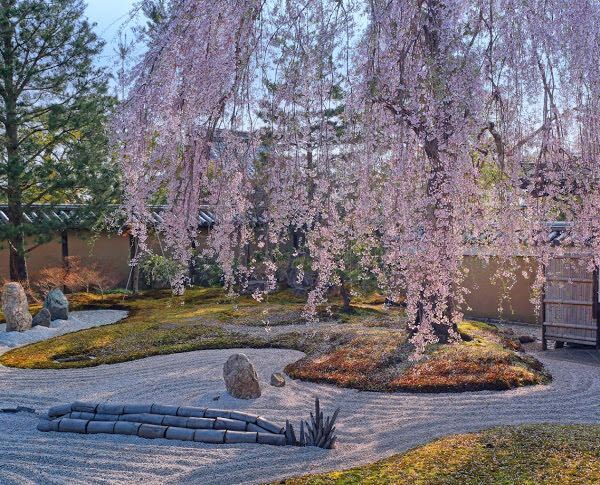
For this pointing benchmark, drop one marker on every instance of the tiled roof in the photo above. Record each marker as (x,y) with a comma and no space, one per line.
(72,215)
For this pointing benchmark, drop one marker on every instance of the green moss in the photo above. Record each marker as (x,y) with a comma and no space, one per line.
(368,352)
(158,323)
(527,454)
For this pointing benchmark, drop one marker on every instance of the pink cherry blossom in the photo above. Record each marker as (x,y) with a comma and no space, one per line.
(409,132)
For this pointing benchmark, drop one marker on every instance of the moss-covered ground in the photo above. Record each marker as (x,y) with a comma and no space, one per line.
(366,349)
(527,454)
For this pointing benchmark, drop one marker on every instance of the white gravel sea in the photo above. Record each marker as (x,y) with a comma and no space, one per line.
(371,425)
(78,320)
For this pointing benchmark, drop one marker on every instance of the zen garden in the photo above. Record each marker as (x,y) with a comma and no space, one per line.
(300,242)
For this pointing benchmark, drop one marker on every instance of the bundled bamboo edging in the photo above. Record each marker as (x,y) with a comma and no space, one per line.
(160,421)
(187,424)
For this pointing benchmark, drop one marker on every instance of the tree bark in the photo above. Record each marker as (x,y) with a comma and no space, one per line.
(345,294)
(438,177)
(18,267)
(135,269)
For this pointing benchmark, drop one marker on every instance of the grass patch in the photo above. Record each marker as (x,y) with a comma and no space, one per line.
(367,351)
(529,454)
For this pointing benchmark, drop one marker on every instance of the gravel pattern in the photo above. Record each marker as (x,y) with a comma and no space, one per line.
(371,425)
(78,320)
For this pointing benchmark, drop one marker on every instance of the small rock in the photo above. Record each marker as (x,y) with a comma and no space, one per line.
(58,305)
(15,308)
(277,379)
(526,339)
(42,318)
(240,377)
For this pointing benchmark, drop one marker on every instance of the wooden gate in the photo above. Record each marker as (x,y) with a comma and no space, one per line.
(570,304)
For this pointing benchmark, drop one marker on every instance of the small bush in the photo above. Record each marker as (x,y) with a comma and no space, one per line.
(207,272)
(75,276)
(158,271)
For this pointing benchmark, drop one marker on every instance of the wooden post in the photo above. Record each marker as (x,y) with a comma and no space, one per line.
(192,265)
(596,306)
(64,243)
(135,269)
(64,240)
(544,342)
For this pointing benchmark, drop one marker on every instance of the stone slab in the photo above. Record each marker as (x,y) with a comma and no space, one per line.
(107,417)
(269,425)
(217,413)
(231,424)
(256,428)
(80,415)
(84,407)
(177,421)
(209,436)
(46,425)
(106,408)
(162,409)
(240,437)
(59,410)
(184,434)
(151,431)
(191,412)
(95,427)
(69,425)
(249,418)
(200,423)
(142,418)
(137,408)
(271,439)
(124,427)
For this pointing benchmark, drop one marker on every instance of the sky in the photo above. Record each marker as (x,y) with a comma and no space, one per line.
(109,15)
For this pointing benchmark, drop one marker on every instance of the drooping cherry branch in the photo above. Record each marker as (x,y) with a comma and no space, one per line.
(438,129)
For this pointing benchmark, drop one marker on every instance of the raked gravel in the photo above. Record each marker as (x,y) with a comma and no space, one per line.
(78,320)
(371,425)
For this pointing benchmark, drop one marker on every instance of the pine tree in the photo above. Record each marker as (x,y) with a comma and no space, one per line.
(53,109)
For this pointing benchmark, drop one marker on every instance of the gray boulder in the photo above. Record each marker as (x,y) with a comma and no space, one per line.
(42,318)
(15,308)
(277,379)
(57,304)
(240,377)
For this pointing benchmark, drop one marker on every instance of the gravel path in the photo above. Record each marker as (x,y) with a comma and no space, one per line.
(78,320)
(303,328)
(371,425)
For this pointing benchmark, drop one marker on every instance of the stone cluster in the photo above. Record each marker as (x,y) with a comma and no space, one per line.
(15,308)
(42,318)
(160,421)
(57,304)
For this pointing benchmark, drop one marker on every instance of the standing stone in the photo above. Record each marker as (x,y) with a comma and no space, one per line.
(240,377)
(57,304)
(15,308)
(277,379)
(42,318)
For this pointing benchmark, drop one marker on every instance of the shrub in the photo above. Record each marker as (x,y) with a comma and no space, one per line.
(207,272)
(75,276)
(158,271)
